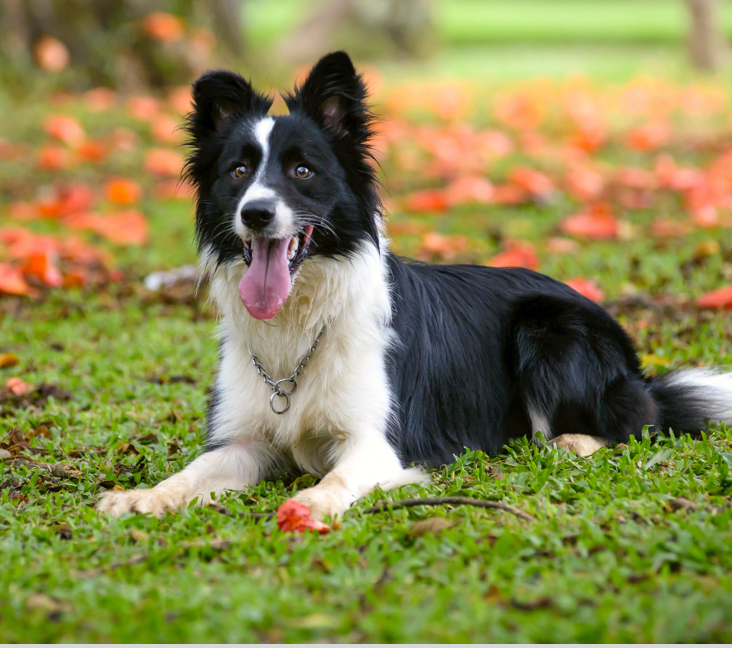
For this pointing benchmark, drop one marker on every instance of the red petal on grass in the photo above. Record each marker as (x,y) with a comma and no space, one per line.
(521,111)
(721,298)
(705,216)
(649,137)
(293,516)
(53,158)
(588,138)
(164,129)
(122,191)
(100,99)
(17,385)
(508,194)
(428,200)
(163,27)
(76,197)
(12,282)
(164,162)
(181,100)
(519,254)
(469,189)
(533,181)
(598,223)
(91,151)
(173,189)
(66,129)
(143,108)
(584,183)
(51,54)
(587,288)
(125,228)
(668,174)
(635,178)
(446,247)
(41,266)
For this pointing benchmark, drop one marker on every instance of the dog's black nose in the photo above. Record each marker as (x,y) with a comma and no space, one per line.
(257,214)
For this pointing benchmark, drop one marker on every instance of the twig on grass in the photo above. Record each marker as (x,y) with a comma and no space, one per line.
(220,508)
(62,471)
(455,501)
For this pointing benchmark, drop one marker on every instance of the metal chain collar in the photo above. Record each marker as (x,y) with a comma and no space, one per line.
(278,391)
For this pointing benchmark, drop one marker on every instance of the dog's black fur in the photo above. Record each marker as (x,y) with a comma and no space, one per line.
(476,349)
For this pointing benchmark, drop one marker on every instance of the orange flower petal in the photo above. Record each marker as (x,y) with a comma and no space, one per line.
(519,254)
(427,200)
(587,288)
(293,516)
(66,129)
(122,191)
(721,298)
(12,282)
(164,162)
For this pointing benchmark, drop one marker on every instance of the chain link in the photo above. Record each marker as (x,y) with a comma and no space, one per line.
(277,390)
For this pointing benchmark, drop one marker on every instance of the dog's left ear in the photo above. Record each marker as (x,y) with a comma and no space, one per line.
(334,96)
(221,95)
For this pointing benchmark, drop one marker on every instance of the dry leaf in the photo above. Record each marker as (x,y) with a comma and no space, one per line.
(433,525)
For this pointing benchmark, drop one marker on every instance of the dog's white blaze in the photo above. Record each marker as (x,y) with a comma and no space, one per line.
(713,387)
(257,190)
(284,216)
(337,421)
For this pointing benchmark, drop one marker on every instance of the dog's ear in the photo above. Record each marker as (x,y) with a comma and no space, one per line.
(334,96)
(221,95)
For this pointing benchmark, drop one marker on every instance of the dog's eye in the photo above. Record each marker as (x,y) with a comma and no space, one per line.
(303,172)
(240,171)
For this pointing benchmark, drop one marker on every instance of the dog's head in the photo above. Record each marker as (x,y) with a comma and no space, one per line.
(278,191)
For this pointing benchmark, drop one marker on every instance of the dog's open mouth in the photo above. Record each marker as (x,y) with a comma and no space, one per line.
(272,265)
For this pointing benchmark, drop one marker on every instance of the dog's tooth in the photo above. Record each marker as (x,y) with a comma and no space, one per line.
(292,251)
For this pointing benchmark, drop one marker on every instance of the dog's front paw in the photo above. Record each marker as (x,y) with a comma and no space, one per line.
(582,445)
(323,500)
(154,501)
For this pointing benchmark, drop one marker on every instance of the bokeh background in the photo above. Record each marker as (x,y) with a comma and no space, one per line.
(588,140)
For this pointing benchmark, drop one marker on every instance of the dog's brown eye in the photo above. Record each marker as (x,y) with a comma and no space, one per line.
(240,171)
(303,172)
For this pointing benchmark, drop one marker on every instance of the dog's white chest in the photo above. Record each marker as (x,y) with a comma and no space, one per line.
(344,384)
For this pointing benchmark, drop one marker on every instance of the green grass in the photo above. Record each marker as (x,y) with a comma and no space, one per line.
(607,559)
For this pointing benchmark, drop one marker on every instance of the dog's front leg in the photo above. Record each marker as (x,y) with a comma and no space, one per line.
(232,467)
(365,461)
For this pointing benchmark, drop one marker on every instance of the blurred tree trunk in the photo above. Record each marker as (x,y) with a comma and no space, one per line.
(116,43)
(708,48)
(365,28)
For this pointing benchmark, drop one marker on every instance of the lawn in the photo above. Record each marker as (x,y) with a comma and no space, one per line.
(631,544)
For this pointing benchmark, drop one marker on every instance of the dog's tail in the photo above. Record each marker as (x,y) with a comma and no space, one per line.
(688,398)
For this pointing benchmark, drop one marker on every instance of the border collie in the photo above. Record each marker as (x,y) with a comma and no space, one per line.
(339,359)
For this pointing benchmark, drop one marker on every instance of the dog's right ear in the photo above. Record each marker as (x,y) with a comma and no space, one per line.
(220,96)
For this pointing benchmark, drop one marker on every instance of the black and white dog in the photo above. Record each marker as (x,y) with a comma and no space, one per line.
(412,363)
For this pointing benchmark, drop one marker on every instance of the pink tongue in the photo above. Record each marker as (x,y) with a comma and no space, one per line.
(266,284)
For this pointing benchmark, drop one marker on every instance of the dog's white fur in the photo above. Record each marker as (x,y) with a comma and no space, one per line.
(714,386)
(337,421)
